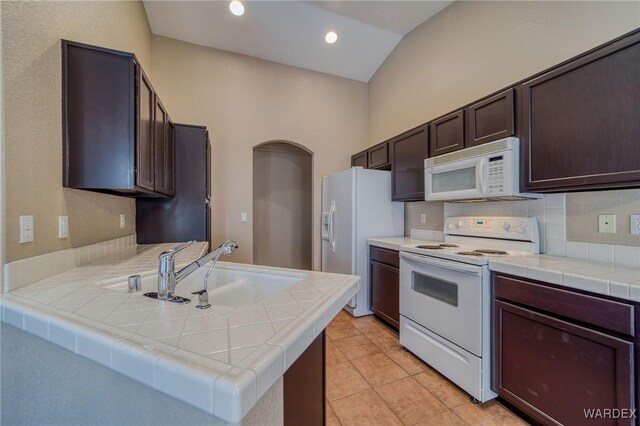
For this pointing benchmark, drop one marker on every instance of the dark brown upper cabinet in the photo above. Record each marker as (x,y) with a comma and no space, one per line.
(359,159)
(171,159)
(145,107)
(581,121)
(378,156)
(490,119)
(408,152)
(161,124)
(446,134)
(111,138)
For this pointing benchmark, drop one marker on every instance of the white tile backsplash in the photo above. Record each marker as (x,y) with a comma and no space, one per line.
(26,271)
(550,211)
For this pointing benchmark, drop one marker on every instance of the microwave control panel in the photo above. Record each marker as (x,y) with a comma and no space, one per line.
(496,174)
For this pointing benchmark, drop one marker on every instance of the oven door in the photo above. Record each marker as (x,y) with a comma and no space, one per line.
(458,180)
(444,297)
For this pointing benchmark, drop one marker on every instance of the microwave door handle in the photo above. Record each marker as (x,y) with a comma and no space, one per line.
(482,178)
(430,261)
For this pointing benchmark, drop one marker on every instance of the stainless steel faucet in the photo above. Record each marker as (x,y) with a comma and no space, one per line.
(168,278)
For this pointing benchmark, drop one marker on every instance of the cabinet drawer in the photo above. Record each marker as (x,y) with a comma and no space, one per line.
(388,257)
(608,314)
(378,156)
(490,119)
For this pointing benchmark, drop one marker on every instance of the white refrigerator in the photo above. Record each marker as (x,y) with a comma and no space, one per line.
(356,205)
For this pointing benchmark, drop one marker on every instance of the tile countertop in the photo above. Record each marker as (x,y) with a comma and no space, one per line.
(597,277)
(220,360)
(394,243)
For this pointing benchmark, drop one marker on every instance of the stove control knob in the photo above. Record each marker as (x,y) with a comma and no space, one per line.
(506,226)
(521,229)
(460,224)
(450,226)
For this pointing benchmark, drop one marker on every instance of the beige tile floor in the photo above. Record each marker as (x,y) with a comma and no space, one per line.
(372,380)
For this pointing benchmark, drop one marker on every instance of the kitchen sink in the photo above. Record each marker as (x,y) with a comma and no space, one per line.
(227,287)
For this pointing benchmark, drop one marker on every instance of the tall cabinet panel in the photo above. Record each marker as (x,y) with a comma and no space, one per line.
(185,216)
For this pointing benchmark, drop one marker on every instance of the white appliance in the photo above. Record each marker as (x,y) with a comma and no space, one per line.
(482,173)
(445,295)
(356,205)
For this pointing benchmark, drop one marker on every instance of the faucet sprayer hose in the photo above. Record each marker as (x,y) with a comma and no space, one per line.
(228,248)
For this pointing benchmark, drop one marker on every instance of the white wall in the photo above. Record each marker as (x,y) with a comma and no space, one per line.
(32,124)
(246,101)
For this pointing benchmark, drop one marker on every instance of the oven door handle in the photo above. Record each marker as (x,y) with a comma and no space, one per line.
(453,266)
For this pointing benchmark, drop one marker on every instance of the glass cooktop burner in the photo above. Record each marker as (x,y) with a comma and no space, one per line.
(448,245)
(470,253)
(489,251)
(430,247)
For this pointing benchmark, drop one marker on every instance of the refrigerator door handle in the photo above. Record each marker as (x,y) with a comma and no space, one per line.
(332,241)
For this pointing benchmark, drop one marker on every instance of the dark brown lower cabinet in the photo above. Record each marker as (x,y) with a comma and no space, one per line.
(304,387)
(556,369)
(384,276)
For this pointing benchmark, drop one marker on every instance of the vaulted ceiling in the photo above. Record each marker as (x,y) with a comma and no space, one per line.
(292,32)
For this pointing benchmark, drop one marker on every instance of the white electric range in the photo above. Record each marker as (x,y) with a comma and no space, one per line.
(445,295)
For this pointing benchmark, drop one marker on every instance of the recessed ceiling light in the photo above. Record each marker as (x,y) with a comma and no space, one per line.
(236,7)
(331,37)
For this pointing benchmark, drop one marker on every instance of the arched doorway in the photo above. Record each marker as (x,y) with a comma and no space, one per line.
(282,205)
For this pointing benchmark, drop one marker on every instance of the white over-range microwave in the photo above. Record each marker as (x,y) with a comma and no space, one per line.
(483,173)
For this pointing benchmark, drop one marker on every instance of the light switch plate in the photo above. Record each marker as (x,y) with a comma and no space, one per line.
(63,227)
(423,218)
(123,221)
(634,224)
(26,229)
(607,223)
(243,218)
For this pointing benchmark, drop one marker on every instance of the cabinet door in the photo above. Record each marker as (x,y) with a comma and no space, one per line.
(378,156)
(160,147)
(208,164)
(385,292)
(98,107)
(446,134)
(170,159)
(580,122)
(408,152)
(490,119)
(145,143)
(359,160)
(554,370)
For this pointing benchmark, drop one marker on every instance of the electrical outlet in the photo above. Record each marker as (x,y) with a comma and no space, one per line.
(635,224)
(243,218)
(423,218)
(26,229)
(123,221)
(63,227)
(607,223)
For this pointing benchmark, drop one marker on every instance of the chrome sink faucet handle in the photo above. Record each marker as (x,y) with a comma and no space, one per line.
(167,271)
